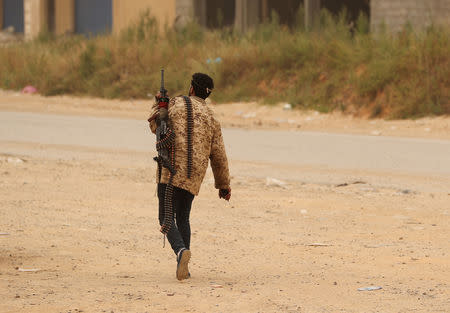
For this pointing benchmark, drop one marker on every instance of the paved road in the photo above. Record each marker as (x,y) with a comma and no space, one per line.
(334,151)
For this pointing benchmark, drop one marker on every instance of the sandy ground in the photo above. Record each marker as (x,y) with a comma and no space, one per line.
(84,221)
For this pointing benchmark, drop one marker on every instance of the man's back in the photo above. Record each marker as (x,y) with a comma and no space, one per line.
(207,143)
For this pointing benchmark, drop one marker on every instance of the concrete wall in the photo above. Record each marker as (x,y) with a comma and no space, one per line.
(188,10)
(126,12)
(64,16)
(43,15)
(312,14)
(35,17)
(184,11)
(248,14)
(251,12)
(420,13)
(393,13)
(200,12)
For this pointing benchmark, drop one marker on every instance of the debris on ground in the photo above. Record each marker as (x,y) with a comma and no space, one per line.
(29,90)
(353,183)
(287,106)
(275,182)
(28,269)
(377,245)
(215,286)
(318,244)
(370,288)
(14,160)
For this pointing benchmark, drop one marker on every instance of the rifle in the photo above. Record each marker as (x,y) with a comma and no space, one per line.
(165,145)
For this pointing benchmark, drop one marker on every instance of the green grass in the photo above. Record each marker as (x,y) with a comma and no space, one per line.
(406,75)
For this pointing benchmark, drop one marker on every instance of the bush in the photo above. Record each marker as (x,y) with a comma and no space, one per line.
(338,67)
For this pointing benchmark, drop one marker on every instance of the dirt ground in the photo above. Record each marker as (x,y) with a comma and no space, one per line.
(79,230)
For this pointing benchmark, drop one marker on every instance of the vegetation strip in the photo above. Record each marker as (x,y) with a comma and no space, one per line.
(339,67)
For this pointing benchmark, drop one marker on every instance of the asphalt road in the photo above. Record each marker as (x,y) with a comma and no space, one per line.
(334,151)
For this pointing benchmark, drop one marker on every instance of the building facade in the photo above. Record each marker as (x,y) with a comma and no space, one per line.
(15,16)
(102,16)
(244,14)
(32,17)
(394,14)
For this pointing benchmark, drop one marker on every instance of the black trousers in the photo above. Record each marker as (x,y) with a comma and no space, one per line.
(179,235)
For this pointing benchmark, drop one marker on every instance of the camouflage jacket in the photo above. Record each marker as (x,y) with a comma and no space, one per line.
(207,144)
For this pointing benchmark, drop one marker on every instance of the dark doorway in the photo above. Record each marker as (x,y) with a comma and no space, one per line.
(93,17)
(51,16)
(353,7)
(13,15)
(220,13)
(286,10)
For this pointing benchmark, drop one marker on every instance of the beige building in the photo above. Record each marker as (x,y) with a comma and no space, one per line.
(32,17)
(394,14)
(99,16)
(80,16)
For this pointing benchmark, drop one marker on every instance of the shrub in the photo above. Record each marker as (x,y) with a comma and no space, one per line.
(338,67)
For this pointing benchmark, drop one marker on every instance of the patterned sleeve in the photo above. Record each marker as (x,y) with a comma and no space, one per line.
(154,110)
(218,157)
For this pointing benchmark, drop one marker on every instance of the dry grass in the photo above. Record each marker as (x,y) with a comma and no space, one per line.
(338,68)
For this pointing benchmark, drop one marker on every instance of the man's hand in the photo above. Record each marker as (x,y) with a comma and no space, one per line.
(154,116)
(225,194)
(158,96)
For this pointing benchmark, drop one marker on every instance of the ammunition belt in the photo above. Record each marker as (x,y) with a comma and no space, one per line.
(167,143)
(190,131)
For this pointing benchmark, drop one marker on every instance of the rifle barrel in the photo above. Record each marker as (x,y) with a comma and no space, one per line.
(162,80)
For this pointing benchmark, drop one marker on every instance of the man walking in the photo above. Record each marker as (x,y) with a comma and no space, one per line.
(198,138)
